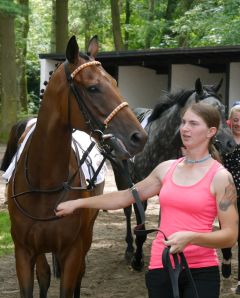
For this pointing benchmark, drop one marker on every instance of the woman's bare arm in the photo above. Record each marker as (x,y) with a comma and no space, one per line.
(146,188)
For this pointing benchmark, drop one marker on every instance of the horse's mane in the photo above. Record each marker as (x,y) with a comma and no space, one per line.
(169,100)
(16,131)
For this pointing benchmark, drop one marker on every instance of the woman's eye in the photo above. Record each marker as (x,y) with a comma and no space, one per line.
(92,89)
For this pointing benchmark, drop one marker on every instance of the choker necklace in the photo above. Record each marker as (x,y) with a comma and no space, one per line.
(187,160)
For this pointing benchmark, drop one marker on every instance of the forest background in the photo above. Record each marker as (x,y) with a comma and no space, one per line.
(32,27)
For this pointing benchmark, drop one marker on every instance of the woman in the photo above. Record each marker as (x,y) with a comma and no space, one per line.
(192,190)
(232,163)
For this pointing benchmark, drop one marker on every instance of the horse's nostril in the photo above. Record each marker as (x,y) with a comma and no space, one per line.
(230,144)
(138,138)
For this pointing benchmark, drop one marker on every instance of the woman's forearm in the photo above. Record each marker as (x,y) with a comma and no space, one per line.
(217,239)
(109,201)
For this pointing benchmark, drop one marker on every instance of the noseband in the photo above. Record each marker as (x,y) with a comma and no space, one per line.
(85,111)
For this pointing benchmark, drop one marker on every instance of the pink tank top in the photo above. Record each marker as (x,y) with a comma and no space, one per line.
(186,208)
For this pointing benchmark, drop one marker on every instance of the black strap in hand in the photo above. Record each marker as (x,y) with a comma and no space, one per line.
(179,263)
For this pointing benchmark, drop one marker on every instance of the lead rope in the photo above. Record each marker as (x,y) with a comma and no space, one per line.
(179,259)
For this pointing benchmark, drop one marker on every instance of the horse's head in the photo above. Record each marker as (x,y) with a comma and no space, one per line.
(223,141)
(95,104)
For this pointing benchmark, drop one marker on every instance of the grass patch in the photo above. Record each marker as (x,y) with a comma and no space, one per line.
(6,243)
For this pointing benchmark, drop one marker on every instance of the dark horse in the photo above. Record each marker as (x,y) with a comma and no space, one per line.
(164,143)
(80,95)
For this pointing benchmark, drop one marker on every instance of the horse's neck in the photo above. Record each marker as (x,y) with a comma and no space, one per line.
(49,154)
(163,143)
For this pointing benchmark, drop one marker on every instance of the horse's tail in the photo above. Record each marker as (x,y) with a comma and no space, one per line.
(12,144)
(56,267)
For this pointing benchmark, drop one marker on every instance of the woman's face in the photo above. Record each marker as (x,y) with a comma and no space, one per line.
(194,131)
(235,123)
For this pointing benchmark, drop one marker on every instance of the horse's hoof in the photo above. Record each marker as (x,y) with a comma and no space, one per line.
(129,255)
(137,265)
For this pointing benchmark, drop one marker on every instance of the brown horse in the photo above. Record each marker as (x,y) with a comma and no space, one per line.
(80,95)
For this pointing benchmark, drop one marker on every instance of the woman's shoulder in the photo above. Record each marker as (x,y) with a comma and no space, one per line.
(222,177)
(167,163)
(163,167)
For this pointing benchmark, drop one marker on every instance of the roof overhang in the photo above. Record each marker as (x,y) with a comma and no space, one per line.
(216,59)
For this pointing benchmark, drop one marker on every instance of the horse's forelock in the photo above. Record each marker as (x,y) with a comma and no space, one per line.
(84,56)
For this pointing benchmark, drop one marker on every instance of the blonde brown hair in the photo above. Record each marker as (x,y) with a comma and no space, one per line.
(235,108)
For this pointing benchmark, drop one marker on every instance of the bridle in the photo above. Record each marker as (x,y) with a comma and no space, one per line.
(89,119)
(94,125)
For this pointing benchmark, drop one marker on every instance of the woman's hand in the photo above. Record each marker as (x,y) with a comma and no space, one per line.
(66,208)
(178,241)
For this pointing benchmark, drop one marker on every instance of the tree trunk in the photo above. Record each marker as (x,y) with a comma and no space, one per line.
(59,28)
(148,38)
(116,26)
(53,27)
(8,87)
(87,22)
(127,22)
(171,7)
(22,53)
(61,25)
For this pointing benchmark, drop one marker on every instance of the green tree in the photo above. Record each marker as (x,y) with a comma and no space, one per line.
(59,36)
(8,73)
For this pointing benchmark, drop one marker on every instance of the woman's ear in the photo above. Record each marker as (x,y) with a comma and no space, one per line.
(212,131)
(229,123)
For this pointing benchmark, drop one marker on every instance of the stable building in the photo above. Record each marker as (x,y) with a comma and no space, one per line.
(144,75)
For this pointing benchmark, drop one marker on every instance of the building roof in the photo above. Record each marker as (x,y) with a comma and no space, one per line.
(216,59)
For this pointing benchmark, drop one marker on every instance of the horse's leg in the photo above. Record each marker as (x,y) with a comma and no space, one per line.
(73,267)
(137,262)
(43,273)
(25,272)
(79,281)
(129,237)
(56,266)
(123,183)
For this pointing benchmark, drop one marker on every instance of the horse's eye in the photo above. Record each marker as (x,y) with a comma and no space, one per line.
(93,89)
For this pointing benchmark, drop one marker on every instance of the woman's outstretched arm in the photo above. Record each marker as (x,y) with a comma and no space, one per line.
(147,188)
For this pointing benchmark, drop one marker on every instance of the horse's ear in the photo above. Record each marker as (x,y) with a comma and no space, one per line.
(72,51)
(93,47)
(218,86)
(199,89)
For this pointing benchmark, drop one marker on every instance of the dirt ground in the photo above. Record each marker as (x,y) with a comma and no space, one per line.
(107,274)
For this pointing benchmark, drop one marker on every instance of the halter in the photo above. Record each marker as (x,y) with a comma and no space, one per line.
(83,107)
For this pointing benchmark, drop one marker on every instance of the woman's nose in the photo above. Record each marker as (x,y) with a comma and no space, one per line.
(185,126)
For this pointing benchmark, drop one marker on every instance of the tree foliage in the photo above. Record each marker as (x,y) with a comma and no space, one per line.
(141,24)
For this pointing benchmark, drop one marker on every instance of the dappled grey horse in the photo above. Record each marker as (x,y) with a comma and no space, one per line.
(164,142)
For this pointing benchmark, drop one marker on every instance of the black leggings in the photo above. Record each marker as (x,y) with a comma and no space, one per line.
(227,252)
(207,281)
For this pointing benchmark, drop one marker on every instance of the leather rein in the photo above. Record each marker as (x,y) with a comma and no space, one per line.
(95,126)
